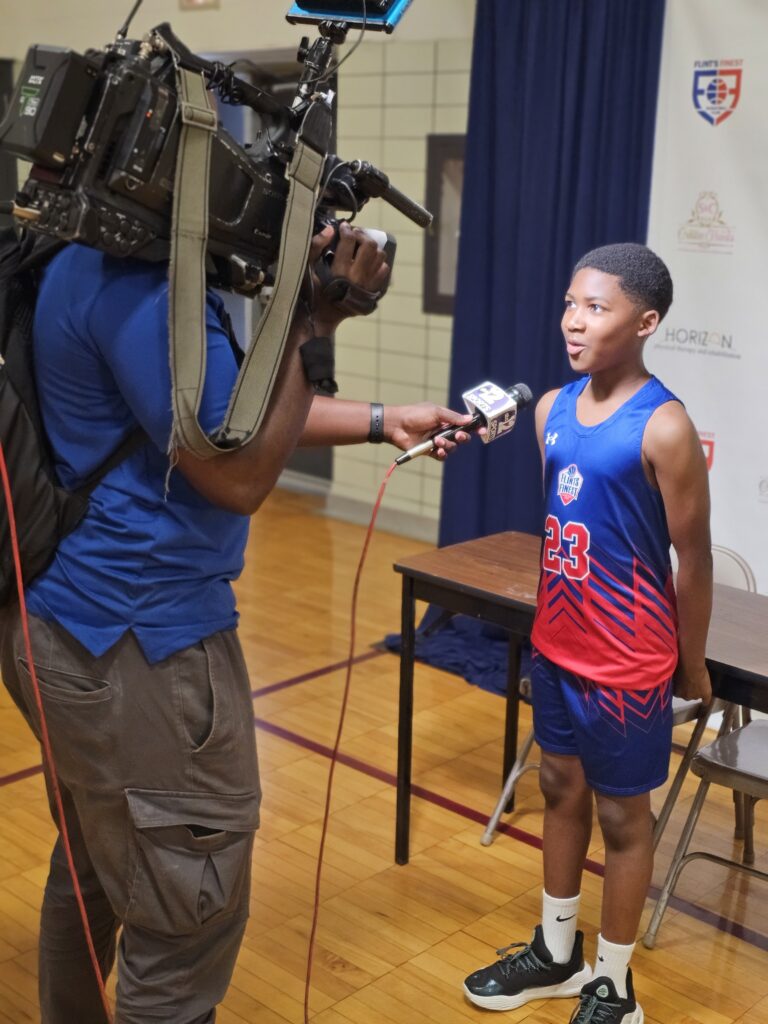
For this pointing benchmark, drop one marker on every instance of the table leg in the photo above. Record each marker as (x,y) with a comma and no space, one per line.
(513,708)
(405,722)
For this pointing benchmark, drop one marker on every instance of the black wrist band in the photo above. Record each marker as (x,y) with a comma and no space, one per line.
(318,359)
(376,433)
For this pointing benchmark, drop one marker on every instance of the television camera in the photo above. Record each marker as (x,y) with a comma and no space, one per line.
(102,130)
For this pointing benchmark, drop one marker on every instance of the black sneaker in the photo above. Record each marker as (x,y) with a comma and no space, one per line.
(601,1004)
(530,973)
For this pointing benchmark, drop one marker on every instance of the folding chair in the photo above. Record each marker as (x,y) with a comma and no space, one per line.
(737,759)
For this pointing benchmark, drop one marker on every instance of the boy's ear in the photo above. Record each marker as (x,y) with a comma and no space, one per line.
(649,321)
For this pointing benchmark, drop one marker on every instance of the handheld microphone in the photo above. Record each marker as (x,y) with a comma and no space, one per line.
(492,407)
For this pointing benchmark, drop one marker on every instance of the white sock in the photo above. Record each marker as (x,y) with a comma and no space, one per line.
(612,962)
(558,922)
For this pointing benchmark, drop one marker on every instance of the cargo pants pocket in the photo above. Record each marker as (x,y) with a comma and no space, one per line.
(79,711)
(192,858)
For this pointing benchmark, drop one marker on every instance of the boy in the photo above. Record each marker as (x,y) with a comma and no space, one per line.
(624,475)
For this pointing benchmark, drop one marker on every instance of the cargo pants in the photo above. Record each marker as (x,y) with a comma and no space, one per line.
(159,778)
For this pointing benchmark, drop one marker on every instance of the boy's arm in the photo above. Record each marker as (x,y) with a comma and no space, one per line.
(677,461)
(543,407)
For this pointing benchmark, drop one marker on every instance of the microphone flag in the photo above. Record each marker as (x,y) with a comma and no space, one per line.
(496,405)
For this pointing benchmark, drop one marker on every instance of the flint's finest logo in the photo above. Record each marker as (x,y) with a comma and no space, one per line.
(716,88)
(569,483)
(706,230)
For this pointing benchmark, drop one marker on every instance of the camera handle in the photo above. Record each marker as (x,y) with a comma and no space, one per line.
(375,184)
(248,94)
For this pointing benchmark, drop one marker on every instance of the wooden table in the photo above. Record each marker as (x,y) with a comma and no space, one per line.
(495,578)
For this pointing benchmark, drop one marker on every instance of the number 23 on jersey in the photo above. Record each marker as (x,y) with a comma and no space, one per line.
(566,548)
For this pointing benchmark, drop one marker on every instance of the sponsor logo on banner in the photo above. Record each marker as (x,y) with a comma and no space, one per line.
(569,483)
(706,230)
(716,88)
(708,444)
(696,341)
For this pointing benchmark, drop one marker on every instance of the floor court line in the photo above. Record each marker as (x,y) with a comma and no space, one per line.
(718,921)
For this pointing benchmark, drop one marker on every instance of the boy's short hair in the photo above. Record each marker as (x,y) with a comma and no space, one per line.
(643,276)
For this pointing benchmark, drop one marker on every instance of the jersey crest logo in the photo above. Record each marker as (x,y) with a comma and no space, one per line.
(569,483)
(550,439)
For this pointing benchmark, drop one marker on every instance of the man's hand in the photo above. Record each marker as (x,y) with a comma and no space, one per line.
(409,425)
(693,684)
(358,259)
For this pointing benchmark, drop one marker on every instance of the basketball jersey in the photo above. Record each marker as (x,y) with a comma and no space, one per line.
(606,603)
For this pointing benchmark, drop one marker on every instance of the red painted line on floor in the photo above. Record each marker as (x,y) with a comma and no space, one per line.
(718,921)
(325,670)
(722,923)
(24,773)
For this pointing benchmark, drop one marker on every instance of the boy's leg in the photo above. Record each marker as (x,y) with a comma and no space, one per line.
(540,970)
(627,828)
(566,835)
(624,739)
(567,823)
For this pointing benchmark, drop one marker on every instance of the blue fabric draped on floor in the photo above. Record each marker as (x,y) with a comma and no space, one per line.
(475,650)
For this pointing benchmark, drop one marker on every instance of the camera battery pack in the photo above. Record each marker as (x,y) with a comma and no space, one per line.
(49,102)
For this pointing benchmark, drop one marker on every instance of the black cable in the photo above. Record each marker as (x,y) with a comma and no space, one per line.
(331,70)
(123,32)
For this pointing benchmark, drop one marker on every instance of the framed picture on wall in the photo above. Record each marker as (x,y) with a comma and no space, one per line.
(445,178)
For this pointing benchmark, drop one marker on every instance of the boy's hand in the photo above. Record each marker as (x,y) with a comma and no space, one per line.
(693,684)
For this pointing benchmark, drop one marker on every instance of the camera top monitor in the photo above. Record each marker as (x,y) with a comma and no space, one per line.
(378,15)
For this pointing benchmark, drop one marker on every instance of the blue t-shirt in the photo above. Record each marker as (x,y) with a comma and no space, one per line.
(152,555)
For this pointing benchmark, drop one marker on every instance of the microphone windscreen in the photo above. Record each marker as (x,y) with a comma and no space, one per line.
(524,394)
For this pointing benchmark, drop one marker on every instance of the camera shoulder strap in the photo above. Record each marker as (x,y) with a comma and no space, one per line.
(256,379)
(189,231)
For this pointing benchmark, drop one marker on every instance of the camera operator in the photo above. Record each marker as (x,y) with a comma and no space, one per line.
(133,628)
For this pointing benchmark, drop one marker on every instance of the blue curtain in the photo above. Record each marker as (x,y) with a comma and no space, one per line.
(558,160)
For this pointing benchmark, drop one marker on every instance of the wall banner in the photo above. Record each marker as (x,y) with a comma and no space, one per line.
(709,222)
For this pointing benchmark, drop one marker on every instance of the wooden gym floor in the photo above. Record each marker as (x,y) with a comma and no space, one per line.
(393,943)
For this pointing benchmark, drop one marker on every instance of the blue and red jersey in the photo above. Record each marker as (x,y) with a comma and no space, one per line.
(606,602)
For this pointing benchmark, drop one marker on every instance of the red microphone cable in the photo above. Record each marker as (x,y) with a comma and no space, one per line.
(45,739)
(334,755)
(53,776)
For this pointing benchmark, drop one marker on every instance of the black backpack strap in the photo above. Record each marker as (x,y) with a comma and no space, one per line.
(20,253)
(128,446)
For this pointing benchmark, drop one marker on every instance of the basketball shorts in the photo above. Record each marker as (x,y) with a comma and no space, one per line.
(623,738)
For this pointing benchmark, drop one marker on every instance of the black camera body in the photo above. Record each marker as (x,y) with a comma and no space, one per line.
(101,131)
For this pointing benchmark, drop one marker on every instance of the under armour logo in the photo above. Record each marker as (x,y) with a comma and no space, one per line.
(550,438)
(558,918)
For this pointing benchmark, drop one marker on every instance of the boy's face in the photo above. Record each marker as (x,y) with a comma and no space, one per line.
(603,328)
